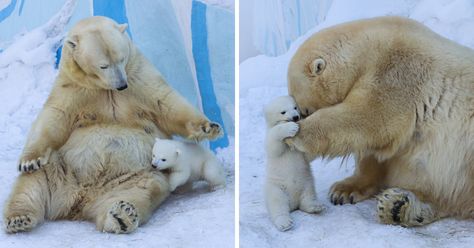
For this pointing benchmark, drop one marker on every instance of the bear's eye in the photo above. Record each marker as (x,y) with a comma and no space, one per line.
(283,112)
(296,108)
(153,156)
(103,67)
(163,159)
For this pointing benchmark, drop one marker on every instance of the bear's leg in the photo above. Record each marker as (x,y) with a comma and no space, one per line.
(309,202)
(214,174)
(401,207)
(26,207)
(365,183)
(128,205)
(278,206)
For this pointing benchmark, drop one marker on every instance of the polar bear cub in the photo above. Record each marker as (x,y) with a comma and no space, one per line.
(187,162)
(289,184)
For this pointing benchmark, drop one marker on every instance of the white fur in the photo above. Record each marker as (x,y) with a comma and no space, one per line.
(290,184)
(188,162)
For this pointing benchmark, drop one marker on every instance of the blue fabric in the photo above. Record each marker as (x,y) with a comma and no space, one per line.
(203,69)
(112,9)
(7,11)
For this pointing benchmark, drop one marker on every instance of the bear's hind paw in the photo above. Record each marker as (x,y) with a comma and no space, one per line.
(121,218)
(21,223)
(401,207)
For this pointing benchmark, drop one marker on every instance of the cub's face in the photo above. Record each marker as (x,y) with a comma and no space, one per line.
(281,109)
(321,72)
(165,154)
(101,50)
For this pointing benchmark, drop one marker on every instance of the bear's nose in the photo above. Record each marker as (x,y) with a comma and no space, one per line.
(154,166)
(122,87)
(296,118)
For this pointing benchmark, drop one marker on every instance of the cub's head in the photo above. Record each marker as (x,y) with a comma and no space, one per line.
(96,51)
(165,154)
(281,109)
(324,69)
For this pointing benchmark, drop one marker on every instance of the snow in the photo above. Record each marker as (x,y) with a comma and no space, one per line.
(263,78)
(198,218)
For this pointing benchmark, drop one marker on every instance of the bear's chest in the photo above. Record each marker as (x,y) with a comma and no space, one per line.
(115,109)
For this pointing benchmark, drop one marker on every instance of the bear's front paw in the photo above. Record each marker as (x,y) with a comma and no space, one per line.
(32,162)
(121,218)
(207,130)
(283,223)
(20,223)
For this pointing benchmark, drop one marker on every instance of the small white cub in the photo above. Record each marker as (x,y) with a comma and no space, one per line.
(289,184)
(187,162)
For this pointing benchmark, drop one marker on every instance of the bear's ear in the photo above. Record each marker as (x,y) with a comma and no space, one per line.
(72,41)
(178,151)
(122,27)
(317,66)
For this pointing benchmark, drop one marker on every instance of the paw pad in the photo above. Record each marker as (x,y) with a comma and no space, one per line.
(122,218)
(19,223)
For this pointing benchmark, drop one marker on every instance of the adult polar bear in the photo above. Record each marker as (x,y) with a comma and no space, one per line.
(400,97)
(94,136)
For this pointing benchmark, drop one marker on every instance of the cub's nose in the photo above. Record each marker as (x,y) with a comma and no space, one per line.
(154,166)
(296,118)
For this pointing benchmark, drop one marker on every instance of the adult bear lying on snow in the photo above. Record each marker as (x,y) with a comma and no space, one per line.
(92,141)
(400,97)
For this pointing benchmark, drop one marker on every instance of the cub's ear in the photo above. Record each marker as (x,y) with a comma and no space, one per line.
(72,41)
(317,66)
(122,27)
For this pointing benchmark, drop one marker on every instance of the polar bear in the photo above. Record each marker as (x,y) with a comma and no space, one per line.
(289,183)
(187,162)
(94,136)
(399,97)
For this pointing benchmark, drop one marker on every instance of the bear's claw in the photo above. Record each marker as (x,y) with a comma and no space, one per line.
(30,165)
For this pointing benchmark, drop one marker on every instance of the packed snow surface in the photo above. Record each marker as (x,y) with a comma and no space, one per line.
(263,78)
(27,71)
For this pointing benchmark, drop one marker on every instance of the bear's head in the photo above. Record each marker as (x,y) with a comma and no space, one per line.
(96,51)
(165,154)
(323,70)
(281,109)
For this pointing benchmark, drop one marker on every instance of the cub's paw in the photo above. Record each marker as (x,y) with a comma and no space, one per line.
(207,130)
(290,129)
(121,218)
(313,208)
(31,163)
(21,223)
(401,207)
(350,190)
(283,223)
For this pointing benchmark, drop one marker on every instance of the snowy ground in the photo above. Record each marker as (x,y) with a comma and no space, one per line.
(263,78)
(197,218)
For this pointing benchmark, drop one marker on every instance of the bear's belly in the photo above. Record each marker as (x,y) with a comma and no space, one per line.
(102,152)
